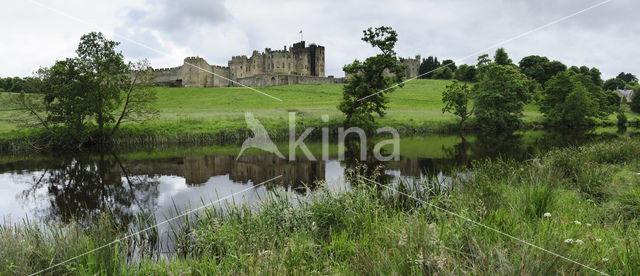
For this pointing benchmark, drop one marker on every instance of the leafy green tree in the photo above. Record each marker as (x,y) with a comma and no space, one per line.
(444,73)
(483,60)
(635,100)
(95,87)
(534,67)
(427,67)
(33,85)
(501,57)
(500,97)
(627,77)
(16,85)
(622,119)
(465,73)
(596,76)
(540,68)
(552,68)
(584,70)
(450,63)
(572,99)
(577,109)
(365,93)
(456,100)
(574,69)
(66,100)
(613,84)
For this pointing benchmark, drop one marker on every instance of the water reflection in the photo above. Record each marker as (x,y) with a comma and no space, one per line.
(80,187)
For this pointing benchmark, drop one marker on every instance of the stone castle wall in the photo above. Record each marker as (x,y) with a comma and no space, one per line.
(299,60)
(194,73)
(300,64)
(275,79)
(171,77)
(413,66)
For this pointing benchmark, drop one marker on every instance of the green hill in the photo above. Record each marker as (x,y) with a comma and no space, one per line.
(196,111)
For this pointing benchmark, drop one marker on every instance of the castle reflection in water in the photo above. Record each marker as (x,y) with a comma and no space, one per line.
(255,169)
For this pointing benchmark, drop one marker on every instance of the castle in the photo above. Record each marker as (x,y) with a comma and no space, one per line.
(300,64)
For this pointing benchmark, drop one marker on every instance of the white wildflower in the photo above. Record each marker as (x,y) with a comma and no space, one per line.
(579,242)
(605,259)
(420,259)
(546,215)
(598,240)
(577,222)
(588,224)
(568,241)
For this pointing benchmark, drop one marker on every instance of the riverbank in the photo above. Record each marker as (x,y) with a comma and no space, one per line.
(581,203)
(216,115)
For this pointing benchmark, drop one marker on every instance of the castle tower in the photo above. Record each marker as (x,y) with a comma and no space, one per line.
(194,73)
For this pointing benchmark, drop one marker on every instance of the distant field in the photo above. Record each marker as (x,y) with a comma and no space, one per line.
(418,98)
(206,110)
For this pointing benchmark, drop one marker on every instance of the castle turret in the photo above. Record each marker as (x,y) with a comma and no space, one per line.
(196,73)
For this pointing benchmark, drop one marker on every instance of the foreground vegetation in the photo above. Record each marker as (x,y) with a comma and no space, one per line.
(582,203)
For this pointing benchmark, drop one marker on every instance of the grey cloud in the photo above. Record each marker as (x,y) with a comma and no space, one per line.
(604,37)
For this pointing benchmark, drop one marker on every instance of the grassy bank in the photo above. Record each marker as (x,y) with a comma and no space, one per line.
(591,195)
(205,115)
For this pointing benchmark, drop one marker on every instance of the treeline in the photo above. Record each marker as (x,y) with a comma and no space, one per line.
(539,68)
(17,84)
(567,96)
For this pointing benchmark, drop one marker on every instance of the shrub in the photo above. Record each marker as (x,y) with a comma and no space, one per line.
(622,119)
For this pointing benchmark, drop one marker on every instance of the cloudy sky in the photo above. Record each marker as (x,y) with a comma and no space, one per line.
(35,33)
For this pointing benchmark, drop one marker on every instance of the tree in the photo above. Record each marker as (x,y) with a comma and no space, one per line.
(66,100)
(444,73)
(427,67)
(500,97)
(33,85)
(613,84)
(465,73)
(365,93)
(627,77)
(552,68)
(139,97)
(596,76)
(456,99)
(577,109)
(502,58)
(540,68)
(635,101)
(95,87)
(450,64)
(534,67)
(483,60)
(572,99)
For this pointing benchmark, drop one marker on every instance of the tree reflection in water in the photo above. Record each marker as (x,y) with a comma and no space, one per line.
(82,187)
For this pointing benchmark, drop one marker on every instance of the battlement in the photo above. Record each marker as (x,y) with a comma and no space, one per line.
(167,69)
(299,59)
(196,58)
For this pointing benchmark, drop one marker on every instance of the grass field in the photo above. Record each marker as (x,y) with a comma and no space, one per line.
(208,111)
